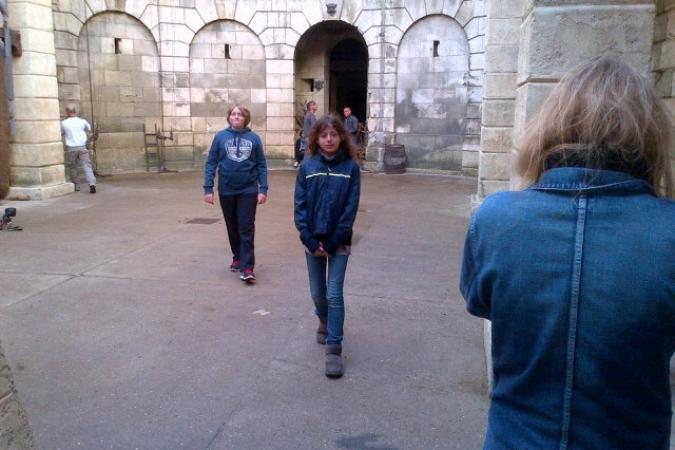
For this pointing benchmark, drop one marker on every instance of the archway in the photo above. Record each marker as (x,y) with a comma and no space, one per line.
(432,93)
(331,68)
(118,66)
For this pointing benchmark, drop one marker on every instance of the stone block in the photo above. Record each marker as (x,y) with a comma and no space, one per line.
(27,109)
(37,176)
(35,64)
(487,187)
(465,13)
(280,123)
(279,138)
(504,31)
(507,9)
(279,109)
(496,139)
(501,58)
(494,166)
(40,41)
(37,132)
(36,155)
(280,95)
(499,86)
(625,31)
(498,113)
(34,16)
(279,67)
(529,98)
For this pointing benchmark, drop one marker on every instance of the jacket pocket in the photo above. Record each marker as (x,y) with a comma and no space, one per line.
(235,180)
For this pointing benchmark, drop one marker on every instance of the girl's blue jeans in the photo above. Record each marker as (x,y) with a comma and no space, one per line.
(326,280)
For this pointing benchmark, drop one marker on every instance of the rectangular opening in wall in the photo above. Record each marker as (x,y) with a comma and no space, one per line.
(227,51)
(308,84)
(436,44)
(118,50)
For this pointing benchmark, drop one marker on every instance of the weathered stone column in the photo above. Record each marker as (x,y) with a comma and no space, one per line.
(558,36)
(499,95)
(664,59)
(37,170)
(15,433)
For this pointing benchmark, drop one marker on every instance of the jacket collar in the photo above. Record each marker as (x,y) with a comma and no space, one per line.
(242,131)
(339,157)
(586,180)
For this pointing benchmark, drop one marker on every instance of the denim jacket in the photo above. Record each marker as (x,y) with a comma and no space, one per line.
(577,275)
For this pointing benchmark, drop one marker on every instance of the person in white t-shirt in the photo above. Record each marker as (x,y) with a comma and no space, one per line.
(75,130)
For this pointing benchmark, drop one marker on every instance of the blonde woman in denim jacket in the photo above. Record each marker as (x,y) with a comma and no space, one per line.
(577,272)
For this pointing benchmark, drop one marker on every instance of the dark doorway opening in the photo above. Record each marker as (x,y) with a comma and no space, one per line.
(349,77)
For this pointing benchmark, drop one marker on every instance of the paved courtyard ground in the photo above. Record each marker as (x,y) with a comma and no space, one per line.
(125,330)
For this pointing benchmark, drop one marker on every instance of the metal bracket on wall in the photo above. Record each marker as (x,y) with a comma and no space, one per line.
(15,39)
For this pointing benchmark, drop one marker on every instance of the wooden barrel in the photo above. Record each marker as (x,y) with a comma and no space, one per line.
(395,158)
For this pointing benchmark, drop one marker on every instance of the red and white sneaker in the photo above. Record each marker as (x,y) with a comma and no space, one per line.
(234,267)
(247,276)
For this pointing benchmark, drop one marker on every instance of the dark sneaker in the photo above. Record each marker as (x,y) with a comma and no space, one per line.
(247,276)
(77,188)
(234,267)
(92,189)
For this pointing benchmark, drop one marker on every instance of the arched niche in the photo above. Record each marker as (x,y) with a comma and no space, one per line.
(118,68)
(431,93)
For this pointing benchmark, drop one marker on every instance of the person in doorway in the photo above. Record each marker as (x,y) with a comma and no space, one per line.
(577,274)
(327,191)
(75,131)
(308,122)
(351,123)
(238,156)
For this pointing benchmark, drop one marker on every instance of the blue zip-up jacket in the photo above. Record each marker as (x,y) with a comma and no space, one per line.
(326,201)
(241,163)
(577,275)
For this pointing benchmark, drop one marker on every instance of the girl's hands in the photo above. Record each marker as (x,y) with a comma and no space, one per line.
(208,198)
(262,198)
(320,251)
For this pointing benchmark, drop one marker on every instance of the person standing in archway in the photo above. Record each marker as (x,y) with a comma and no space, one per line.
(74,130)
(237,153)
(307,124)
(351,123)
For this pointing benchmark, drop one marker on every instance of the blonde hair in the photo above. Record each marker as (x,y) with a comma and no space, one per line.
(601,113)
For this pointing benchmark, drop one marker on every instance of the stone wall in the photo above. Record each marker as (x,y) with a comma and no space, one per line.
(663,58)
(278,27)
(15,432)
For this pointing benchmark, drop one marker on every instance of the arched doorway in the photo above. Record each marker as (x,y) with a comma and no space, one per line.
(331,68)
(349,77)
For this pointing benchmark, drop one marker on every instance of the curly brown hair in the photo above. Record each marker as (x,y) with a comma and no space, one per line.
(331,120)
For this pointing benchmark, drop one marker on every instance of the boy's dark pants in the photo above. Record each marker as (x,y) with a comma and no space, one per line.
(239,213)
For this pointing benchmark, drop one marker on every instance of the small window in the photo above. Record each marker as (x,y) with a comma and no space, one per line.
(118,50)
(227,51)
(308,84)
(436,44)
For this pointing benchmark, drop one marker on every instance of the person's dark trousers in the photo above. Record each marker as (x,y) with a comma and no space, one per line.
(299,150)
(239,213)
